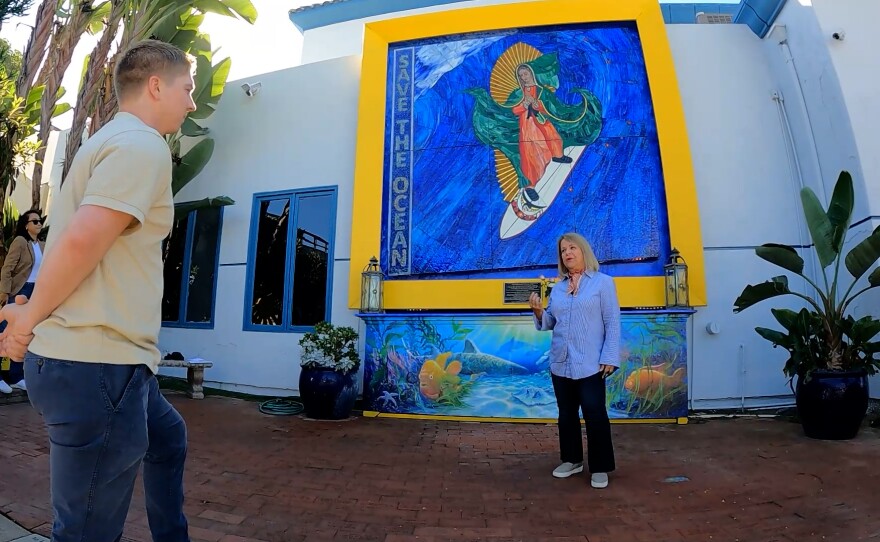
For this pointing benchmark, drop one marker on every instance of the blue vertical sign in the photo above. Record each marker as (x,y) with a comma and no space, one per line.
(401,165)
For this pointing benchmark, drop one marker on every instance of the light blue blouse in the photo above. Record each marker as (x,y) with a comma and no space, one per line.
(586,327)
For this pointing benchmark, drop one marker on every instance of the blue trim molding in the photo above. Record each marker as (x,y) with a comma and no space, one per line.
(340,11)
(182,322)
(294,196)
(759,15)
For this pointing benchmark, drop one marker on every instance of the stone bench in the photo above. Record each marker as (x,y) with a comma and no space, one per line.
(195,375)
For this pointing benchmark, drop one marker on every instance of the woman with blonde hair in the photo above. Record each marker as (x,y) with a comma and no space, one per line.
(584,315)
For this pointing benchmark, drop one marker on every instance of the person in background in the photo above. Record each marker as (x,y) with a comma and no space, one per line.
(18,276)
(584,315)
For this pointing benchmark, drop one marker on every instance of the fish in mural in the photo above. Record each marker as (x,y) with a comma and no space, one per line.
(436,376)
(473,361)
(648,381)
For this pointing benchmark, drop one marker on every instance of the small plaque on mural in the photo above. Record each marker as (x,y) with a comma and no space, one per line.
(519,292)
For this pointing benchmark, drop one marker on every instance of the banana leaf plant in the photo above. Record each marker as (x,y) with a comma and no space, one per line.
(822,335)
(183,30)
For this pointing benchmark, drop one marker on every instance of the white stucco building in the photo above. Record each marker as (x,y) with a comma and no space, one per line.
(773,102)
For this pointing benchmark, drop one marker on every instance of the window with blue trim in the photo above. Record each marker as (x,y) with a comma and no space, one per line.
(290,260)
(190,256)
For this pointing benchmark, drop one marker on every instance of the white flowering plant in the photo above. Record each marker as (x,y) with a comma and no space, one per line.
(330,347)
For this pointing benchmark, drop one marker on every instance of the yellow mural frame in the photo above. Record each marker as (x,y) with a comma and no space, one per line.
(675,155)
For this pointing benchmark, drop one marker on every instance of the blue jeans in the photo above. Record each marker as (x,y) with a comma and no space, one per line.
(104,421)
(16,370)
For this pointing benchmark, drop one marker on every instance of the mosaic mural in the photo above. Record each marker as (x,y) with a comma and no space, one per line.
(497,366)
(498,142)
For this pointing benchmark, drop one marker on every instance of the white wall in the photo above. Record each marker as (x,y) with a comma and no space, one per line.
(858,69)
(747,197)
(838,80)
(298,131)
(797,51)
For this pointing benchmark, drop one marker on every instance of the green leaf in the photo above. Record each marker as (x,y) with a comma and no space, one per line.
(191,21)
(192,163)
(775,337)
(840,210)
(167,27)
(864,329)
(82,73)
(96,20)
(874,277)
(788,318)
(244,8)
(61,109)
(191,128)
(201,46)
(34,96)
(820,227)
(756,293)
(186,32)
(210,81)
(864,255)
(782,255)
(220,201)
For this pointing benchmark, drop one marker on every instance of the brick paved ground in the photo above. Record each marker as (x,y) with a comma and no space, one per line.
(257,477)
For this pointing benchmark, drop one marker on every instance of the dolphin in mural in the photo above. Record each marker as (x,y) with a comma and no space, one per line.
(473,362)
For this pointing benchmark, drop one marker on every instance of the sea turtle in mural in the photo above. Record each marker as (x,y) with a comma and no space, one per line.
(533,396)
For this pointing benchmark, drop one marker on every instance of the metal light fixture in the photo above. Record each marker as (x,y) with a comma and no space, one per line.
(371,287)
(676,272)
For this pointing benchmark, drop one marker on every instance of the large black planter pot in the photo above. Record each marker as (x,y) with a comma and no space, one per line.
(832,405)
(327,394)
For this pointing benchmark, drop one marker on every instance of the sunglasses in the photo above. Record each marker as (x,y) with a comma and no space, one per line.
(35,221)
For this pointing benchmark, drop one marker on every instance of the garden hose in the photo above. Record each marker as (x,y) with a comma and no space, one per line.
(281,407)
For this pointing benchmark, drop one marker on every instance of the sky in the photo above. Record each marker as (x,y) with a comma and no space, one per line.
(272,43)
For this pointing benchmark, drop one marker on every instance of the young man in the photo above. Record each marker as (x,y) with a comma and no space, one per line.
(88,334)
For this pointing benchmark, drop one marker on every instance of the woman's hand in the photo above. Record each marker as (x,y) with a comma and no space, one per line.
(607,370)
(535,305)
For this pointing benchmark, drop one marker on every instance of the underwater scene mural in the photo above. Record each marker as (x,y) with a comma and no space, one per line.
(498,141)
(496,366)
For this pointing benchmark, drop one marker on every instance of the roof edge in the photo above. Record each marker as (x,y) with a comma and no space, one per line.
(757,14)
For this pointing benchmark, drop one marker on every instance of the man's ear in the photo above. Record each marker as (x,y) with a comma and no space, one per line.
(153,86)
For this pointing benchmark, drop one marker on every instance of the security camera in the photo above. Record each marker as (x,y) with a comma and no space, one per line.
(839,35)
(251,89)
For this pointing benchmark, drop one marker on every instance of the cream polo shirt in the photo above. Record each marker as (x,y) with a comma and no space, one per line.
(114,316)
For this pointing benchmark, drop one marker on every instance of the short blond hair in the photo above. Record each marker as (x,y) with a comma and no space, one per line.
(146,59)
(590,261)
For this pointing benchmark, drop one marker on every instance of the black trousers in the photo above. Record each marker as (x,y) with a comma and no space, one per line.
(587,394)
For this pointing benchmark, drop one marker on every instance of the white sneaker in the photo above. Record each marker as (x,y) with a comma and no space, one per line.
(599,480)
(4,387)
(567,469)
(20,385)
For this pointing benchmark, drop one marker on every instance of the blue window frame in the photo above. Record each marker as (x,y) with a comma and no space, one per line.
(290,260)
(191,257)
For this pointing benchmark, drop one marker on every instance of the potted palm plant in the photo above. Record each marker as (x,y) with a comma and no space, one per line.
(831,353)
(329,362)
